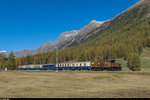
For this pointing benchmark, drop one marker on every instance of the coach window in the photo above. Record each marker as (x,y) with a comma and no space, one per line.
(84,64)
(80,64)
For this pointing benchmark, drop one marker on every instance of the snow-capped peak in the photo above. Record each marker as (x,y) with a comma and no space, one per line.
(71,33)
(100,22)
(3,51)
(68,35)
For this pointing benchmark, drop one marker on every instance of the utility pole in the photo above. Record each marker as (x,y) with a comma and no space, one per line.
(19,65)
(56,59)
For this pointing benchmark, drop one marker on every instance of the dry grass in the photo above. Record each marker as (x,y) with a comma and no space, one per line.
(42,84)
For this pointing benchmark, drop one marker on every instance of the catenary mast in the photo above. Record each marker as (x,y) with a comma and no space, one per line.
(56,59)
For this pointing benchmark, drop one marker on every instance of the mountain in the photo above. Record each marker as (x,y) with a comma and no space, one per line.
(125,33)
(4,53)
(119,37)
(65,40)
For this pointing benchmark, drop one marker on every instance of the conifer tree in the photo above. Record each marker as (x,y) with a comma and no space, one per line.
(134,62)
(2,62)
(11,63)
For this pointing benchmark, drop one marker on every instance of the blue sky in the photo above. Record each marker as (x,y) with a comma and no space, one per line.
(27,24)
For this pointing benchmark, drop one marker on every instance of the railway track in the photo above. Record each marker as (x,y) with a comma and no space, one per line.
(125,71)
(82,71)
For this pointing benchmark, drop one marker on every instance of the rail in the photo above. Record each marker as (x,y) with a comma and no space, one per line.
(77,71)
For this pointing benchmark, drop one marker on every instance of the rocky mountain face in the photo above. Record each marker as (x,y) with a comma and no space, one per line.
(65,40)
(4,53)
(139,10)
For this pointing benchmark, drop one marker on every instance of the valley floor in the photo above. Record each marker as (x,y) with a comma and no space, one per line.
(68,84)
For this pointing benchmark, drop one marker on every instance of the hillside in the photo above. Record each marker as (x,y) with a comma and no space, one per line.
(88,32)
(127,33)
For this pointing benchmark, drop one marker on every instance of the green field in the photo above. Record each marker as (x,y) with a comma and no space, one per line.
(145,57)
(123,63)
(145,61)
(67,84)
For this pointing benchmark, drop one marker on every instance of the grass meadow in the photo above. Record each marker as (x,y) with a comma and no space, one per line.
(73,84)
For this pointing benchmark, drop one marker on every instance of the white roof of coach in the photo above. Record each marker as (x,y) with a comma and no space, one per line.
(74,62)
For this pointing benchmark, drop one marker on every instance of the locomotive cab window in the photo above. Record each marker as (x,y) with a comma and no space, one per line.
(112,61)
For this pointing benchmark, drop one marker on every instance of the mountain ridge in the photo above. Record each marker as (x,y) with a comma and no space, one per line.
(4,53)
(76,37)
(126,34)
(65,40)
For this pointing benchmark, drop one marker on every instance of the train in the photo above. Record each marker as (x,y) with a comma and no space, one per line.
(98,65)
